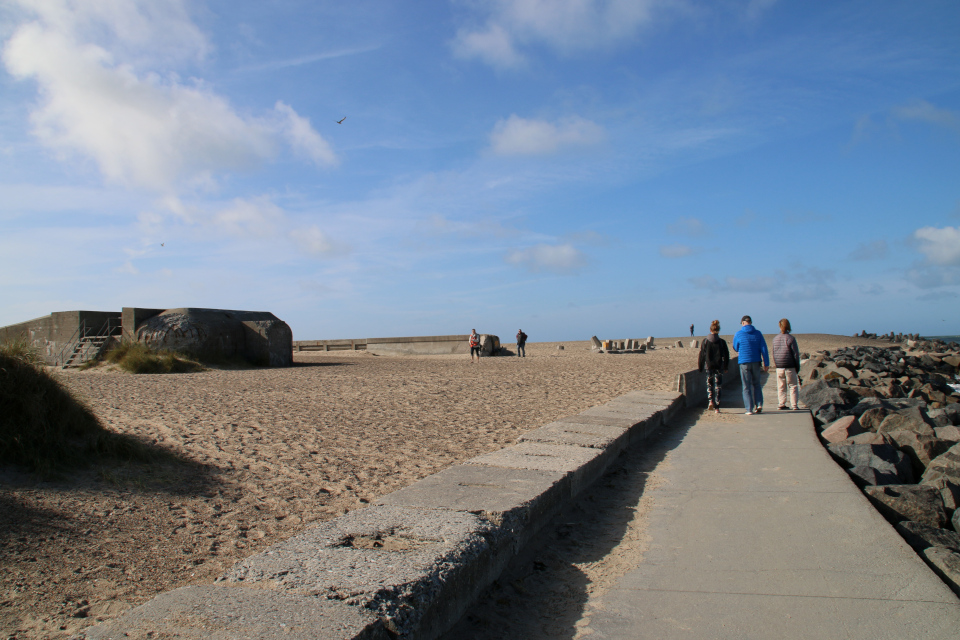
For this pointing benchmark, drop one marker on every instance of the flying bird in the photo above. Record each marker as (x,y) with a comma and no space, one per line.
(161,244)
(340,121)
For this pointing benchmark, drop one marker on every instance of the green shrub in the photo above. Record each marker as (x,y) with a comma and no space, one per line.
(43,426)
(139,358)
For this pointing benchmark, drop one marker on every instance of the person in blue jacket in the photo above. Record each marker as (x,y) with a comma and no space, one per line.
(751,349)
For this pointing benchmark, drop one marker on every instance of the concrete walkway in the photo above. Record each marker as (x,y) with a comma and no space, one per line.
(757,533)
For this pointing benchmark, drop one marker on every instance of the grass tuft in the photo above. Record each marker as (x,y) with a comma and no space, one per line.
(44,427)
(139,358)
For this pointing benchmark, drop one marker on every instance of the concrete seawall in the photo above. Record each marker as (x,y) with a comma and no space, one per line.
(409,565)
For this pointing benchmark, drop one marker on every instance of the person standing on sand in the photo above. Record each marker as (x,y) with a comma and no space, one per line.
(691,331)
(751,347)
(474,344)
(715,358)
(521,343)
(786,355)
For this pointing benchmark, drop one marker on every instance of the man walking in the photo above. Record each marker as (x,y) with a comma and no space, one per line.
(751,348)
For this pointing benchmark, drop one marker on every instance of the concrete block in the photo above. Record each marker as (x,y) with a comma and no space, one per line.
(581,435)
(222,612)
(583,464)
(518,500)
(415,569)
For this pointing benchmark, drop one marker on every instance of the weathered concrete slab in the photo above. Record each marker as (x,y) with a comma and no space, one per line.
(607,420)
(519,500)
(416,569)
(583,464)
(222,612)
(597,436)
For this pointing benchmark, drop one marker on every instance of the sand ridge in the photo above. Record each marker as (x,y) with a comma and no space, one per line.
(265,453)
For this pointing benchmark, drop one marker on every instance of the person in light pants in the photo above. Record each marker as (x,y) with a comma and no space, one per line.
(786,355)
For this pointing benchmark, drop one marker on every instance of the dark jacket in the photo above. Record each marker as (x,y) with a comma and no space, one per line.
(714,355)
(786,353)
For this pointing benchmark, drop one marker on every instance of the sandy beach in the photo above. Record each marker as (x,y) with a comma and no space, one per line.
(263,454)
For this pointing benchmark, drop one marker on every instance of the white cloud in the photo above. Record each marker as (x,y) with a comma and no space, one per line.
(257,217)
(315,242)
(563,25)
(677,250)
(563,258)
(940,246)
(518,136)
(142,129)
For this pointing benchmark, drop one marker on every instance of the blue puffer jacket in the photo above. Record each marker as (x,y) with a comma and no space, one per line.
(750,345)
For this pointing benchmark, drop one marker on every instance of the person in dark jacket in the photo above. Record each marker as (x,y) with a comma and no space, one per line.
(752,348)
(786,355)
(521,344)
(715,360)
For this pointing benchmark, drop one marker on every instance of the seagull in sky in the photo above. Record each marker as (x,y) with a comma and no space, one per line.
(340,121)
(161,244)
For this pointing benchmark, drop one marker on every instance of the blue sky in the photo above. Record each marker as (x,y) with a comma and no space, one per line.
(569,167)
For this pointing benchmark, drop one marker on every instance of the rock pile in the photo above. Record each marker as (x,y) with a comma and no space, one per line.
(892,337)
(890,416)
(634,345)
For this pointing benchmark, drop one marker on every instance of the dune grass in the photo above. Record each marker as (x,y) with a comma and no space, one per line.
(44,427)
(139,358)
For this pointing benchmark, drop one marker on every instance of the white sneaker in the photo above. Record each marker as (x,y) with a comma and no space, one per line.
(748,413)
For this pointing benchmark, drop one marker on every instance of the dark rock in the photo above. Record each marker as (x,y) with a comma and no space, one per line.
(882,457)
(870,476)
(819,393)
(949,492)
(909,419)
(870,437)
(917,502)
(946,564)
(946,465)
(871,418)
(920,536)
(829,413)
(949,433)
(920,448)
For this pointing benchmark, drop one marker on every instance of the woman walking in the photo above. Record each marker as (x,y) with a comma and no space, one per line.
(786,355)
(714,359)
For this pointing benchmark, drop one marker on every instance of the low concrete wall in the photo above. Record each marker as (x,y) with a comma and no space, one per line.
(422,345)
(410,565)
(693,384)
(50,334)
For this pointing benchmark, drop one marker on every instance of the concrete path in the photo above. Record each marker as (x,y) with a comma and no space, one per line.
(757,533)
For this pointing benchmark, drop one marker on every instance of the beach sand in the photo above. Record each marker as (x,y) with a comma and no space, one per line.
(264,454)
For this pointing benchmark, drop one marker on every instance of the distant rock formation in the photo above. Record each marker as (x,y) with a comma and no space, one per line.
(257,336)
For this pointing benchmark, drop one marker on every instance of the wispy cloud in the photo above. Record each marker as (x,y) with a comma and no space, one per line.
(516,136)
(692,227)
(315,242)
(678,250)
(310,59)
(562,258)
(799,285)
(566,26)
(926,112)
(876,250)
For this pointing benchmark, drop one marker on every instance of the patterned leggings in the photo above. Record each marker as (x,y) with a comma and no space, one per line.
(714,382)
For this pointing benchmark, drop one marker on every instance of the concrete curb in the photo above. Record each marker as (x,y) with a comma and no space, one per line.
(409,565)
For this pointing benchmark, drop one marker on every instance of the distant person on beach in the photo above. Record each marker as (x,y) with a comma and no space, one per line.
(786,355)
(751,347)
(715,359)
(474,345)
(691,331)
(521,343)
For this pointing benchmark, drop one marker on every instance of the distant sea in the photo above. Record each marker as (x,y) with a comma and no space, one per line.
(944,338)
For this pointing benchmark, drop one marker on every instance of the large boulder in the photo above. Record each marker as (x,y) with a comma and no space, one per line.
(920,536)
(909,419)
(882,457)
(871,476)
(946,564)
(946,465)
(949,492)
(841,429)
(489,344)
(820,393)
(917,502)
(213,334)
(920,448)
